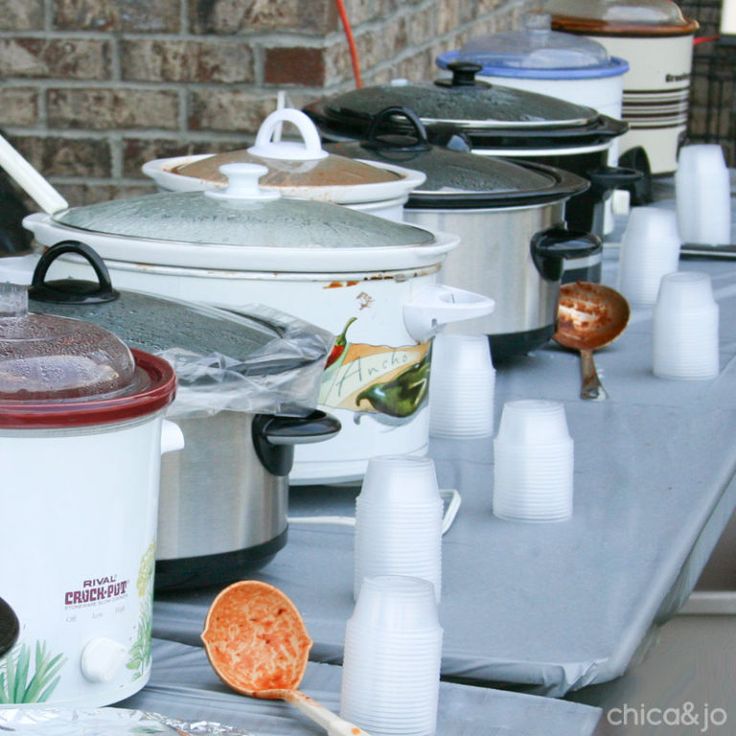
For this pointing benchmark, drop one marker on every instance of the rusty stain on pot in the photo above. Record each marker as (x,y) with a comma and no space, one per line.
(339,284)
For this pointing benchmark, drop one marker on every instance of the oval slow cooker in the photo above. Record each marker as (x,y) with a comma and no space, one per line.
(300,169)
(81,425)
(493,120)
(248,385)
(657,41)
(371,281)
(510,218)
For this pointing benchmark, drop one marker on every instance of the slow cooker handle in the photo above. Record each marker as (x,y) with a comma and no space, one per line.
(274,437)
(604,180)
(550,247)
(72,291)
(438,305)
(375,142)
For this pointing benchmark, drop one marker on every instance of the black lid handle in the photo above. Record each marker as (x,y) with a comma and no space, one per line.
(463,74)
(551,247)
(72,291)
(377,142)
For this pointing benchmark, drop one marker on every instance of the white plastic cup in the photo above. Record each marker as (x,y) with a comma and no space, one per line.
(650,248)
(398,521)
(703,195)
(533,463)
(461,387)
(392,658)
(685,339)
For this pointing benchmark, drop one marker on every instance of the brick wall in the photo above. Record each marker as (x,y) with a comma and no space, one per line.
(93,88)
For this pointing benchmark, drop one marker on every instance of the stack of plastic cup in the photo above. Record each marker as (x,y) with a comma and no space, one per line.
(685,328)
(650,248)
(533,472)
(703,195)
(461,387)
(393,652)
(398,521)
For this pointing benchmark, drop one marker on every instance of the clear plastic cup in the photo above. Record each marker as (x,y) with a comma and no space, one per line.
(703,195)
(536,421)
(533,474)
(392,656)
(398,522)
(650,248)
(685,330)
(462,387)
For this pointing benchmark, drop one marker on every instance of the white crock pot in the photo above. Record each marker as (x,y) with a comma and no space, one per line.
(81,431)
(296,169)
(657,41)
(325,263)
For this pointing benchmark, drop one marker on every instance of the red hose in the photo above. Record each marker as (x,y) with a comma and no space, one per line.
(354,59)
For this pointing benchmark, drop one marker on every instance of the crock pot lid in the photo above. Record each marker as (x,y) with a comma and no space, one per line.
(619,15)
(200,218)
(537,46)
(330,171)
(46,358)
(475,104)
(456,173)
(9,627)
(156,324)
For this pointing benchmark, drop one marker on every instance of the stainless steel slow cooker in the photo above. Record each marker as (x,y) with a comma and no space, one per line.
(248,385)
(491,120)
(510,218)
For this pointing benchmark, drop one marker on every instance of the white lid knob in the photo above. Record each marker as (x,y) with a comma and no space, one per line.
(102,659)
(242,184)
(309,149)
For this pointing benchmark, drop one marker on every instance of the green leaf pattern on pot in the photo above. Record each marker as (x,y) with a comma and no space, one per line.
(140,650)
(27,679)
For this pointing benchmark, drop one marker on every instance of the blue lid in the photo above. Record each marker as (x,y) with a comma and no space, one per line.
(537,52)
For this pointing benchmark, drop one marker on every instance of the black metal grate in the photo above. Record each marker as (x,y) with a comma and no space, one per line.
(713,88)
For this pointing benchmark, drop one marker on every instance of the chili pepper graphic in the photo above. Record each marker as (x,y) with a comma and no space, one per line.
(340,343)
(403,395)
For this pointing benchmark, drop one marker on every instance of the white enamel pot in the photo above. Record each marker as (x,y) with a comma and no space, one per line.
(396,315)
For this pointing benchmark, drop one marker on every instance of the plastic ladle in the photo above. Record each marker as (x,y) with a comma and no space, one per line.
(257,644)
(590,316)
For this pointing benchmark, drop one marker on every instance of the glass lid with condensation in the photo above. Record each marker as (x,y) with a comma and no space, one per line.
(459,177)
(455,172)
(48,358)
(242,215)
(461,101)
(535,46)
(329,171)
(620,16)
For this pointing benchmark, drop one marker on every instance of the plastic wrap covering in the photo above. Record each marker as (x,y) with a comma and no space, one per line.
(254,360)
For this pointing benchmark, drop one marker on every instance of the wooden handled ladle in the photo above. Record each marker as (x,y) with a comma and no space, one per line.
(257,643)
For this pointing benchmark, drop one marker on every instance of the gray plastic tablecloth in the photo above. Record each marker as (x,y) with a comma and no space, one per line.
(552,607)
(184,686)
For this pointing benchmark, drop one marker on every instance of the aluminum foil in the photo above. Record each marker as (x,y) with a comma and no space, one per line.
(103,722)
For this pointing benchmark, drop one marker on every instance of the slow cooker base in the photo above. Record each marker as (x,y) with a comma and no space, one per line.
(226,567)
(512,344)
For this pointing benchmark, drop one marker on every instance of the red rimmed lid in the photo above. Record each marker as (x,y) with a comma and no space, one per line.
(57,372)
(153,389)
